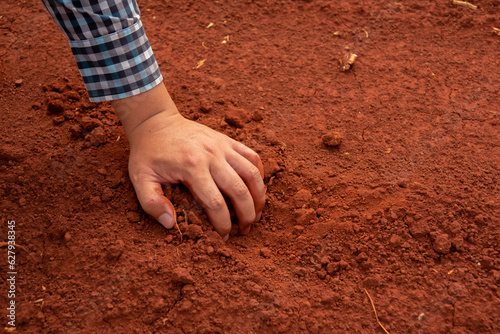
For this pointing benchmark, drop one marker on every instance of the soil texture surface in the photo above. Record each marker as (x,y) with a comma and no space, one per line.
(378,124)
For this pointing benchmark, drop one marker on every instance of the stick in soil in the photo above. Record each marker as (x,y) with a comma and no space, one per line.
(464,4)
(6,244)
(177,225)
(375,311)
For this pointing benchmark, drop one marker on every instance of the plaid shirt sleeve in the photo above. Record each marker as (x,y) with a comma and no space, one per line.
(109,44)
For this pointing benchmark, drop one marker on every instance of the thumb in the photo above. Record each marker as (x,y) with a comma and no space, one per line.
(154,202)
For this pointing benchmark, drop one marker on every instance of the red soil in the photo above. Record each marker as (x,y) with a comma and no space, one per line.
(407,207)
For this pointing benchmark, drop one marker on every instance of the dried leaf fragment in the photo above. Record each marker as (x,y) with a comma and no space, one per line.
(464,4)
(199,64)
(347,61)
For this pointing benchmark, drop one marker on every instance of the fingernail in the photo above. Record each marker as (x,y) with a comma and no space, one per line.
(226,238)
(166,220)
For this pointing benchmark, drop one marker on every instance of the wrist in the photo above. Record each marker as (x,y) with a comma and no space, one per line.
(135,110)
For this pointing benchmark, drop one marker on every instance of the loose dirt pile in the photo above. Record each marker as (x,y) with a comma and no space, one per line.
(407,206)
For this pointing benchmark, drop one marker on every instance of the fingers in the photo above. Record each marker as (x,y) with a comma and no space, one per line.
(231,184)
(252,177)
(154,202)
(207,194)
(219,166)
(241,179)
(250,155)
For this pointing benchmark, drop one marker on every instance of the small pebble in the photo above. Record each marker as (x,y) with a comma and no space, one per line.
(271,167)
(362,257)
(193,218)
(257,116)
(181,275)
(300,271)
(332,267)
(132,216)
(97,137)
(332,139)
(265,252)
(226,252)
(297,229)
(55,107)
(302,197)
(107,195)
(442,244)
(194,231)
(321,274)
(101,171)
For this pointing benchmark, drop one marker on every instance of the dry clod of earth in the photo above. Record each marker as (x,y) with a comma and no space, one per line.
(332,139)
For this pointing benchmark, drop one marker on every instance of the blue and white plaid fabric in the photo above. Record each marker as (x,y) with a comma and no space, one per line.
(110,46)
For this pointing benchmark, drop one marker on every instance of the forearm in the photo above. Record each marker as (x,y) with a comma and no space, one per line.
(135,110)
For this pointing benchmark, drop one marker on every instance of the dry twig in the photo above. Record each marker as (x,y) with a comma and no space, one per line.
(199,64)
(177,225)
(6,244)
(375,311)
(463,4)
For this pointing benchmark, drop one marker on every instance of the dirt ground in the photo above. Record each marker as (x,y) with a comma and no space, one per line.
(405,210)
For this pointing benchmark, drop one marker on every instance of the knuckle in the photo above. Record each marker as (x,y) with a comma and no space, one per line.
(215,204)
(255,174)
(210,149)
(251,217)
(192,161)
(255,157)
(240,190)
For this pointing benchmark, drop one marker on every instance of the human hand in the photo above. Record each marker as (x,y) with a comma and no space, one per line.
(166,148)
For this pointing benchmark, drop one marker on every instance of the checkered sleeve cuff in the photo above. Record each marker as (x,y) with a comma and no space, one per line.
(117,65)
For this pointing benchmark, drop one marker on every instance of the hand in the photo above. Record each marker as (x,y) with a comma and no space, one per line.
(166,148)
